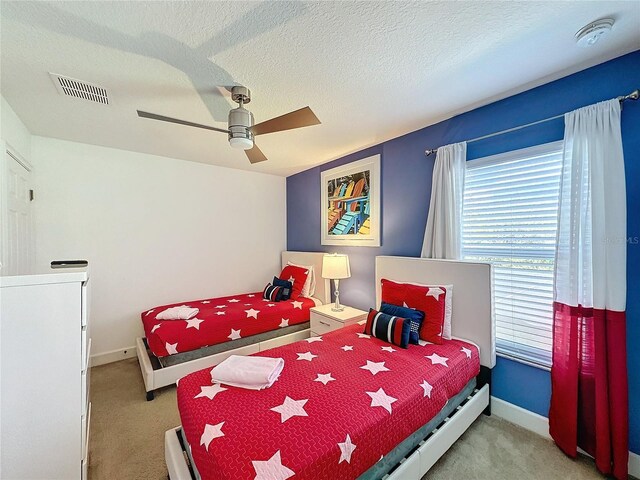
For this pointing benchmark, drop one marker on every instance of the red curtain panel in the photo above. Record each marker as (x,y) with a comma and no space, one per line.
(589,407)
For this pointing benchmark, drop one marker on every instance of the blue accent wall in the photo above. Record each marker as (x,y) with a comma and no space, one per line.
(406,189)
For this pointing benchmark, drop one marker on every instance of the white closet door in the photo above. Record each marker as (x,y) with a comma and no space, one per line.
(17,218)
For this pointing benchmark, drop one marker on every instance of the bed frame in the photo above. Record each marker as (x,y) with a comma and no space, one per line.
(156,376)
(472,320)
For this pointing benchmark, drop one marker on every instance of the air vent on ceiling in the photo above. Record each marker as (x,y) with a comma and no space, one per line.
(79,89)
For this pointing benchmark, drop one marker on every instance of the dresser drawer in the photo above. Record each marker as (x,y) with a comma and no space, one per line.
(85,347)
(84,309)
(86,428)
(321,325)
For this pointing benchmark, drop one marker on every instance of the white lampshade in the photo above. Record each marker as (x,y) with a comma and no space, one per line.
(335,266)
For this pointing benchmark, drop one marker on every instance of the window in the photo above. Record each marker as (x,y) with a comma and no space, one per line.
(510,220)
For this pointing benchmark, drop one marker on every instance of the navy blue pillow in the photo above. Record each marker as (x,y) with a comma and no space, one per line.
(415,316)
(389,328)
(286,287)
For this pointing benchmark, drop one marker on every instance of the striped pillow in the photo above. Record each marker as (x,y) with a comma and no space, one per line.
(272,292)
(388,328)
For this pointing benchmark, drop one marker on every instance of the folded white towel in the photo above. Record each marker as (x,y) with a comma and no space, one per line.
(254,373)
(183,312)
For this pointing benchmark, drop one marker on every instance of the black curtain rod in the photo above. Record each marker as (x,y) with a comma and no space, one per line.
(632,96)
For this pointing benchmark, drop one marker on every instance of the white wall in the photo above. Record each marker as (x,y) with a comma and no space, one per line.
(13,131)
(155,230)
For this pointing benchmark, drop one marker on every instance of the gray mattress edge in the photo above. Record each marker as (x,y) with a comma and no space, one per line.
(230,345)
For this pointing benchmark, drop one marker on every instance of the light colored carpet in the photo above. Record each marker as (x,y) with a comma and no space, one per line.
(127,438)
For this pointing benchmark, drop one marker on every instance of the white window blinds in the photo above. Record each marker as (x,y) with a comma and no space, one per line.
(510,219)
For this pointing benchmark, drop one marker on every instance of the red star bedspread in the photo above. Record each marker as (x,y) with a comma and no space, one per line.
(342,401)
(220,320)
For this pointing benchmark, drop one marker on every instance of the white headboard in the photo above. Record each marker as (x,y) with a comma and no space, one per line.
(323,288)
(472,316)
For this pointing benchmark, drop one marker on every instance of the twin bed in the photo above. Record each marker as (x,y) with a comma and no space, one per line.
(236,325)
(347,405)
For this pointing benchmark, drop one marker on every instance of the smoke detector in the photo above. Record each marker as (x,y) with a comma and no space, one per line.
(79,89)
(590,34)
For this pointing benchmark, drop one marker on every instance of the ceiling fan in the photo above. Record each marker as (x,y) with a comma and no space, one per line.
(241,130)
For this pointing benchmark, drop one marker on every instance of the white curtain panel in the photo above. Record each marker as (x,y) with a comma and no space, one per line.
(442,237)
(590,266)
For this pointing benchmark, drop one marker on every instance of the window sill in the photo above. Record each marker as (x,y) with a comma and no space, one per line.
(523,361)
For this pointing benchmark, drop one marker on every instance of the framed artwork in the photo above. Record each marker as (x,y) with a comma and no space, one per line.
(351,204)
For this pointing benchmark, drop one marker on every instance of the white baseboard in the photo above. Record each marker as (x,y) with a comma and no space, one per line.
(112,356)
(520,416)
(540,425)
(634,464)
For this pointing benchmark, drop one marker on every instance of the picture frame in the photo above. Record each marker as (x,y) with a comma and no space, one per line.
(350,204)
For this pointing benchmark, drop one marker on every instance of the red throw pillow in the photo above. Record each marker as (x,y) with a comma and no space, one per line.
(392,292)
(430,300)
(297,276)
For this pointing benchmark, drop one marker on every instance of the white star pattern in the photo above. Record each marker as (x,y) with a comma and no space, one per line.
(291,408)
(206,301)
(248,304)
(284,323)
(423,343)
(291,279)
(346,449)
(234,335)
(363,335)
(233,300)
(466,351)
(435,292)
(252,313)
(172,348)
(155,327)
(271,304)
(251,296)
(347,348)
(375,367)
(265,299)
(150,311)
(314,339)
(221,306)
(210,391)
(220,313)
(381,399)
(388,349)
(427,387)
(211,432)
(271,469)
(324,378)
(194,323)
(297,305)
(404,304)
(437,359)
(306,356)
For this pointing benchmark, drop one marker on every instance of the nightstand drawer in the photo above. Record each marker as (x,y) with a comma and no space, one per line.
(321,325)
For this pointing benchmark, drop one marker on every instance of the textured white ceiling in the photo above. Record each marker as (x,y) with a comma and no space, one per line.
(370,70)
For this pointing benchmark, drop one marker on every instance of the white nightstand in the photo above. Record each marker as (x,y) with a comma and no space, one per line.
(324,320)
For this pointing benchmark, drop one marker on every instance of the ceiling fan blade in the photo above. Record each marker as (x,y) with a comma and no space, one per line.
(255,155)
(155,116)
(296,119)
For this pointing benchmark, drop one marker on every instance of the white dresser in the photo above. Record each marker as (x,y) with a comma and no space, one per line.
(44,376)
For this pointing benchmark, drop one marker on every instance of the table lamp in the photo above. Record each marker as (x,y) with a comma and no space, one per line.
(336,267)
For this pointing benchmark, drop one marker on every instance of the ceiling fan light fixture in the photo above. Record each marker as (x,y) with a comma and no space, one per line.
(240,123)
